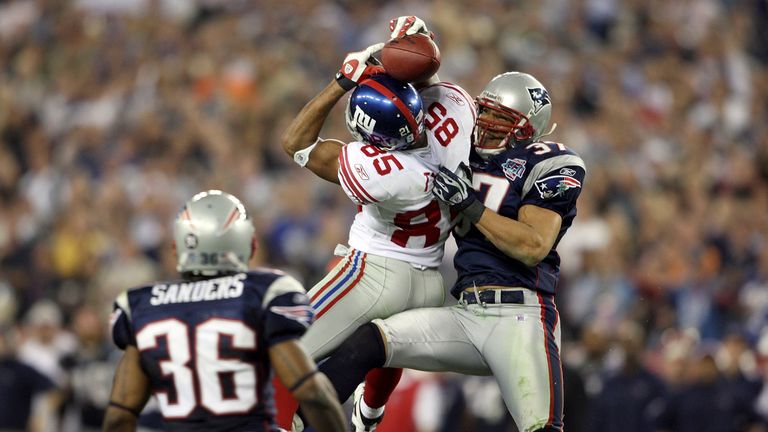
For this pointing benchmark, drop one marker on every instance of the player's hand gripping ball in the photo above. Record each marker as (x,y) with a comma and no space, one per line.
(358,66)
(411,58)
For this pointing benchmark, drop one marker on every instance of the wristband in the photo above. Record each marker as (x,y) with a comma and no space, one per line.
(344,82)
(301,157)
(125,408)
(474,211)
(302,380)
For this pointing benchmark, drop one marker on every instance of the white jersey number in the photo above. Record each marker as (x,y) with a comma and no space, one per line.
(497,189)
(209,366)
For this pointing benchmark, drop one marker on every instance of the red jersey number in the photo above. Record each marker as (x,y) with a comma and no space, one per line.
(384,161)
(426,228)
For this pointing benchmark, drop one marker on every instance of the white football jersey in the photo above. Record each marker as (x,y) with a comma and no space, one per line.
(399,216)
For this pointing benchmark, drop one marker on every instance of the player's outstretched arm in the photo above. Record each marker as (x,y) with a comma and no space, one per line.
(310,387)
(301,140)
(302,135)
(130,391)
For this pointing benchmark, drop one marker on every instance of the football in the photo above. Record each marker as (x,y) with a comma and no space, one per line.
(411,58)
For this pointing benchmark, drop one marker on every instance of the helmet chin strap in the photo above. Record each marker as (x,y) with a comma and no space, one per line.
(552,129)
(235,260)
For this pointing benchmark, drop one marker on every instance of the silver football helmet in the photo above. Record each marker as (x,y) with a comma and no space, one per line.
(213,234)
(514,108)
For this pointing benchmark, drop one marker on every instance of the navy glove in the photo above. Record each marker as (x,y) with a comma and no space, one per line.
(458,193)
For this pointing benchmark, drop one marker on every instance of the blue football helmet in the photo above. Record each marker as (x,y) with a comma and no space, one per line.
(385,112)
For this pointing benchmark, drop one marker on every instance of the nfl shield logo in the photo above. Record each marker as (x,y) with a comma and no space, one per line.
(513,168)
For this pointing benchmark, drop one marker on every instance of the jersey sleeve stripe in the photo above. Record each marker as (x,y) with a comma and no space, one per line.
(463,93)
(348,189)
(398,103)
(352,180)
(280,286)
(124,304)
(347,180)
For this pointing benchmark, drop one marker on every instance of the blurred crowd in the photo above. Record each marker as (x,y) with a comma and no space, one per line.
(114,112)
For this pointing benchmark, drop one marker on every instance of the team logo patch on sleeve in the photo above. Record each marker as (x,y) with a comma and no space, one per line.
(302,314)
(556,185)
(513,168)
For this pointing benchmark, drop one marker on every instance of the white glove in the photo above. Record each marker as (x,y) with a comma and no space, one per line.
(407,25)
(356,67)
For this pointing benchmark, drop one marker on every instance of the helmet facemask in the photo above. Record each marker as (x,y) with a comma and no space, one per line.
(498,122)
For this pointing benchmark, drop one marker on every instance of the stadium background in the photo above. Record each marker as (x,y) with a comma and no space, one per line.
(113,112)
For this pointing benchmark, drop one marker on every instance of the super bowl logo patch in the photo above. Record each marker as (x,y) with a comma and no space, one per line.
(513,168)
(557,185)
(540,98)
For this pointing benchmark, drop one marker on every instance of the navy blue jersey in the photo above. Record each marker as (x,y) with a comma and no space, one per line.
(543,174)
(204,345)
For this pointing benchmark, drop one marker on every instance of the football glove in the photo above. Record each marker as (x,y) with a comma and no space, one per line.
(408,25)
(358,66)
(458,193)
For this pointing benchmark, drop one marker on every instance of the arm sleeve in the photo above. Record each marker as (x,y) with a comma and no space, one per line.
(120,323)
(358,175)
(555,184)
(287,313)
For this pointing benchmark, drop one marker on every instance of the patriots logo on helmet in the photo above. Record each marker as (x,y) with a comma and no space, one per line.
(302,314)
(557,185)
(540,98)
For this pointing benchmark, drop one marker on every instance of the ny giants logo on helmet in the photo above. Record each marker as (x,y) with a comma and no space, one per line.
(540,98)
(363,120)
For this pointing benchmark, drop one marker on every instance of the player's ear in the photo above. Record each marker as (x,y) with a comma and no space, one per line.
(173,246)
(254,245)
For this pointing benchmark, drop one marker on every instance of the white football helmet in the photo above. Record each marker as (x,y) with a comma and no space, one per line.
(514,108)
(213,235)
